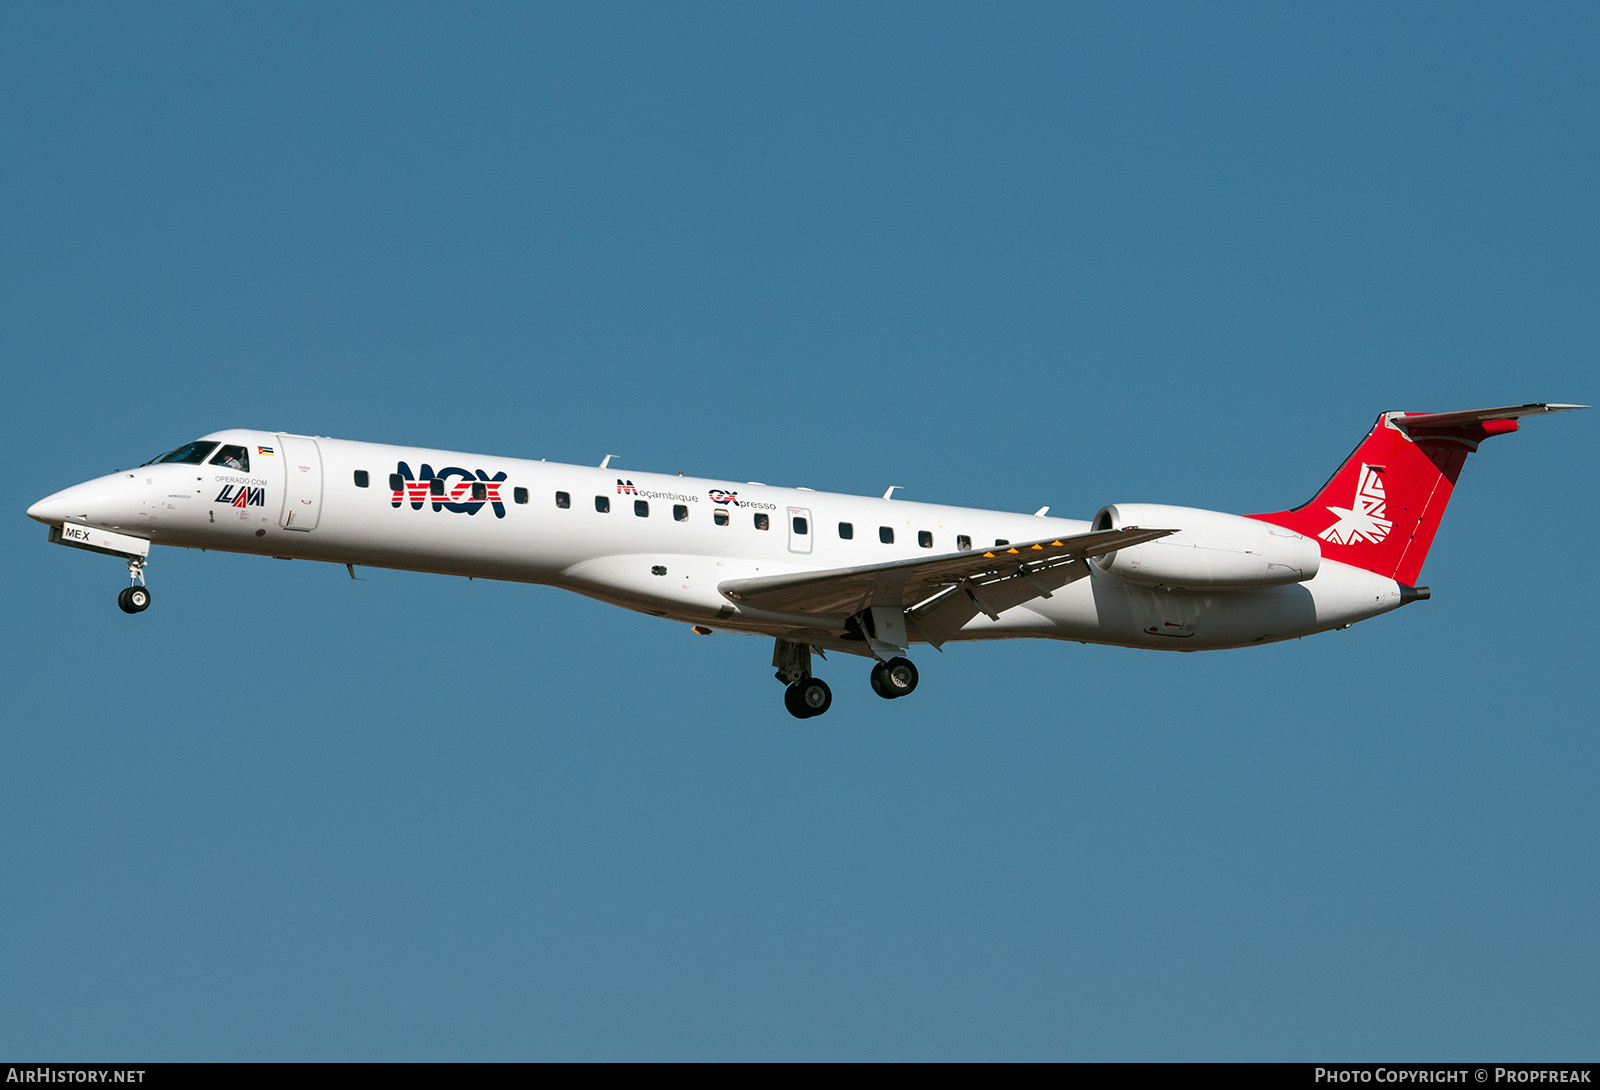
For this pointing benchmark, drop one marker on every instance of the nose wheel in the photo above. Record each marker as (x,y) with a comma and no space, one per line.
(135,599)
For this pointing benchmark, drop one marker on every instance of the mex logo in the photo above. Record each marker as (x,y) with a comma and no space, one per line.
(238,495)
(458,494)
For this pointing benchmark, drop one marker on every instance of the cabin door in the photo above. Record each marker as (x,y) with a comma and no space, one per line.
(800,530)
(302,492)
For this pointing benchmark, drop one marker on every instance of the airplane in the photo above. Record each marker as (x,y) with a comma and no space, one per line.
(816,571)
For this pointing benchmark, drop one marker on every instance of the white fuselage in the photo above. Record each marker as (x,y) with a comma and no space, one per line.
(662,545)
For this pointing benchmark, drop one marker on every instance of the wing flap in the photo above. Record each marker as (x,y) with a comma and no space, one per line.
(844,592)
(946,613)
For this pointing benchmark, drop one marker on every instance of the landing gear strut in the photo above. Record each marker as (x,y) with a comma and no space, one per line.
(895,678)
(135,599)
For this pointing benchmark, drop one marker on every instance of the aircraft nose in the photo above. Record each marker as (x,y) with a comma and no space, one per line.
(51,510)
(96,501)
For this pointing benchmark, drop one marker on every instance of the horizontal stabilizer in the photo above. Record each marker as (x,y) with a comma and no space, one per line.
(1478,416)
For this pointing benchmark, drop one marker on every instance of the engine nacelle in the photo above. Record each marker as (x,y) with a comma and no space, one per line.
(1211,550)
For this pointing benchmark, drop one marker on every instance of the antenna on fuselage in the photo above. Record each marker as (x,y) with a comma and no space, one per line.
(607,461)
(892,487)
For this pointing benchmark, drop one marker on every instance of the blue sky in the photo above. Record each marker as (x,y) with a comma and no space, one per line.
(1024,255)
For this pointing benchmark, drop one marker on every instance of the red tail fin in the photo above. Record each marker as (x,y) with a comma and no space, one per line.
(1383,506)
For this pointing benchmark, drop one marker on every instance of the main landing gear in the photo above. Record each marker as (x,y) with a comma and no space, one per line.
(135,599)
(895,678)
(806,696)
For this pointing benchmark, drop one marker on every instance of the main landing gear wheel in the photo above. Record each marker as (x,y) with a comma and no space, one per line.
(134,599)
(895,678)
(808,697)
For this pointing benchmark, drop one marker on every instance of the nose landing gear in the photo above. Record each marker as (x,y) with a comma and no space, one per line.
(135,599)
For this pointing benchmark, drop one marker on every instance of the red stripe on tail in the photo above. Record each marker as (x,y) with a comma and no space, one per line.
(1380,511)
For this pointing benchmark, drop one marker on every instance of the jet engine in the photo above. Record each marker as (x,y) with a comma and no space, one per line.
(1211,550)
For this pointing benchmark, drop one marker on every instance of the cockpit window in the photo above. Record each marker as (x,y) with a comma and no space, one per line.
(233,458)
(190,454)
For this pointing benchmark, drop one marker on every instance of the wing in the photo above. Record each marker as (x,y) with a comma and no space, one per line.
(939,593)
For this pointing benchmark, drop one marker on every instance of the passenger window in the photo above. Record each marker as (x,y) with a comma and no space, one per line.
(801,526)
(563,500)
(719,517)
(520,495)
(999,541)
(886,534)
(762,522)
(602,504)
(963,543)
(846,531)
(680,512)
(925,538)
(361,478)
(397,483)
(480,491)
(231,457)
(641,508)
(436,486)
